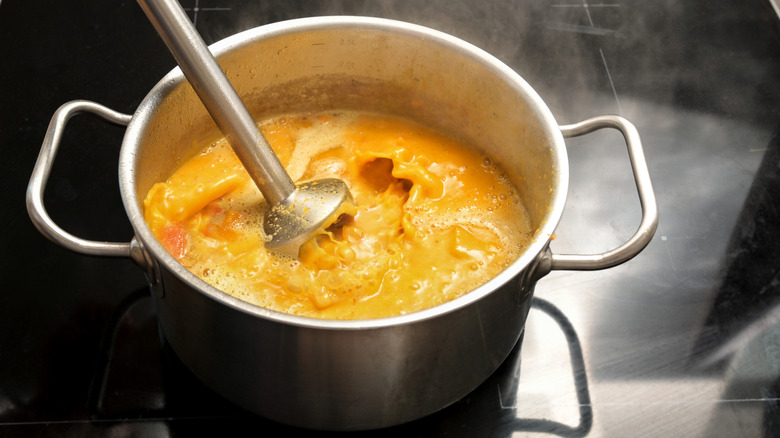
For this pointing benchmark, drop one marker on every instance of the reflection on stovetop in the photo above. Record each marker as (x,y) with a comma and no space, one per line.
(752,247)
(140,385)
(561,398)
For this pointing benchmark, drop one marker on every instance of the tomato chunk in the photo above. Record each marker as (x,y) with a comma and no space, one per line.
(174,240)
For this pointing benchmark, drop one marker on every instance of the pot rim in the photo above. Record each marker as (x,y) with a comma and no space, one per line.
(161,90)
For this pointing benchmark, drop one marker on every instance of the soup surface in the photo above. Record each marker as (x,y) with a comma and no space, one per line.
(433,219)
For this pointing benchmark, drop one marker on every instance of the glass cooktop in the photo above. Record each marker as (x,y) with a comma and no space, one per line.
(683,340)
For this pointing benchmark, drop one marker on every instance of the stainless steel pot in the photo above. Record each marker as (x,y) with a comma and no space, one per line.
(349,375)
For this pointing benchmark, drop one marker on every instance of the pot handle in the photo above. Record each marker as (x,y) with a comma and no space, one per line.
(40,176)
(649,223)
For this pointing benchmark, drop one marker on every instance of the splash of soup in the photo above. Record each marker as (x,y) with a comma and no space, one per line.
(434,219)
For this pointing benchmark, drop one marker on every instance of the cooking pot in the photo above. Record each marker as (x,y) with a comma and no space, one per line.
(363,374)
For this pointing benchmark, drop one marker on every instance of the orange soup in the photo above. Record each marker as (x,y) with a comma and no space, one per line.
(434,219)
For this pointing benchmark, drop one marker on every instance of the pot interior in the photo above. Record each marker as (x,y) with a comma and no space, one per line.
(368,64)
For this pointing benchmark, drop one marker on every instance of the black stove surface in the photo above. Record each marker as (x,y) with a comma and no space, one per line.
(684,340)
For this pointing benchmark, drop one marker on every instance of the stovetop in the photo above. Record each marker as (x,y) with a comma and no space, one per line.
(683,340)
